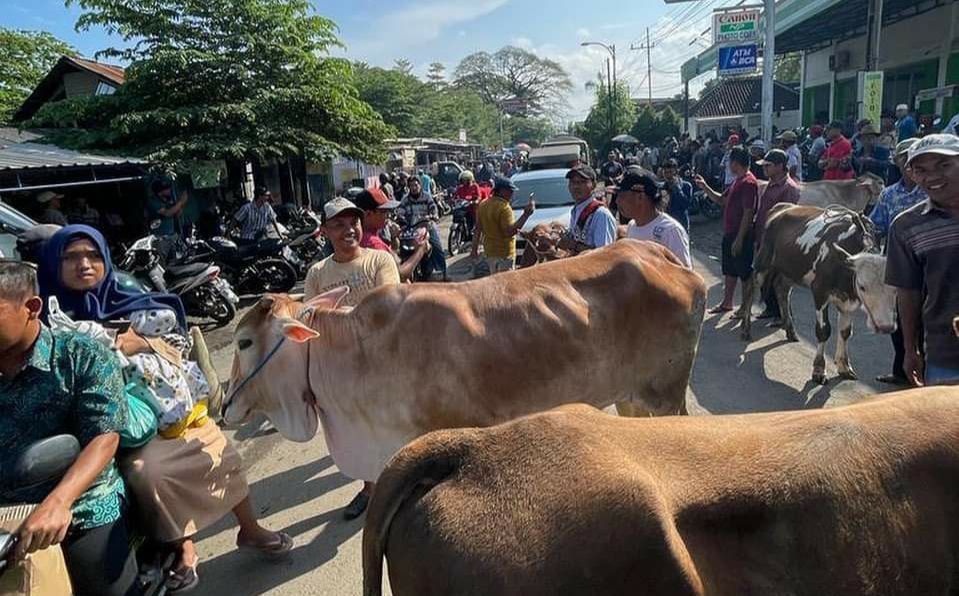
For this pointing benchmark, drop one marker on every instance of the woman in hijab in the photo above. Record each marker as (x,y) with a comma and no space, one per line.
(190,475)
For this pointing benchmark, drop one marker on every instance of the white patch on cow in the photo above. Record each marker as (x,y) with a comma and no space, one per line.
(811,234)
(821,317)
(848,233)
(809,277)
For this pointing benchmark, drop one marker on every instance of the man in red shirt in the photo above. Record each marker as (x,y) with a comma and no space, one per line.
(782,188)
(376,208)
(739,202)
(836,161)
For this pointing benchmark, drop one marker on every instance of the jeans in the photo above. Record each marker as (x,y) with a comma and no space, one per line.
(940,375)
(438,254)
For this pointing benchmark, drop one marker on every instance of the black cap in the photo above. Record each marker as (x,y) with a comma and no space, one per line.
(774,156)
(647,183)
(582,170)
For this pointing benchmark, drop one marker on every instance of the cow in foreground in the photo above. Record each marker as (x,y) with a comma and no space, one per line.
(410,359)
(825,250)
(855,194)
(857,500)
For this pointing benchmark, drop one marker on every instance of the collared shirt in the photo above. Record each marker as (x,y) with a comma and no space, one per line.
(680,197)
(70,385)
(254,219)
(839,150)
(422,208)
(600,228)
(894,200)
(782,191)
(923,253)
(906,127)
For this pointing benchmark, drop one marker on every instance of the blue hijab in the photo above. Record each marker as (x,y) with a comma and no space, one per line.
(107,301)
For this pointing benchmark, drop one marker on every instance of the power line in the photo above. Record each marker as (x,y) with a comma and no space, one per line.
(649,63)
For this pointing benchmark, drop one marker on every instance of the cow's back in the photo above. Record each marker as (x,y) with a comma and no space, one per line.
(859,500)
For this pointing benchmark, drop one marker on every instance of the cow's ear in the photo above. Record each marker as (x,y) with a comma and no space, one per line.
(330,299)
(298,332)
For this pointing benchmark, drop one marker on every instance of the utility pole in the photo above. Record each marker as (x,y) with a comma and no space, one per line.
(873,33)
(649,64)
(769,65)
(609,102)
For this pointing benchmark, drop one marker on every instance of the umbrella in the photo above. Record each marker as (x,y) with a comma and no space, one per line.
(626,139)
(522,147)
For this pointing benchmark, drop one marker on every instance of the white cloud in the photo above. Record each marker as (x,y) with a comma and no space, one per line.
(582,33)
(522,42)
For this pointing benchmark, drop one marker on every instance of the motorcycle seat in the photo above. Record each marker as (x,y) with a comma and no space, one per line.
(188,269)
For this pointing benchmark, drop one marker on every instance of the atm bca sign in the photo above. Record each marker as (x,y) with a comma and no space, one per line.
(739,26)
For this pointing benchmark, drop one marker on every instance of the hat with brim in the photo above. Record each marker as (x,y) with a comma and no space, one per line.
(374,198)
(583,171)
(340,206)
(47,196)
(776,157)
(504,183)
(635,181)
(939,144)
(904,146)
(789,136)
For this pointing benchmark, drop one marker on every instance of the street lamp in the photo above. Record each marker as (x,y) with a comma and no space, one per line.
(611,82)
(612,52)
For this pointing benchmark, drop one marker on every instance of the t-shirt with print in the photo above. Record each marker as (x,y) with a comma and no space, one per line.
(372,269)
(666,231)
(742,195)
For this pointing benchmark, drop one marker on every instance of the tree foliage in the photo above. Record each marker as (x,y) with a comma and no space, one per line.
(221,79)
(788,67)
(652,127)
(437,74)
(27,56)
(538,85)
(599,129)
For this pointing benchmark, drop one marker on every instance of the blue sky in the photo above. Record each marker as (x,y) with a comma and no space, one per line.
(424,31)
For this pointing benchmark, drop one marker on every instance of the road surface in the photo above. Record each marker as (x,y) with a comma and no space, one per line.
(296,487)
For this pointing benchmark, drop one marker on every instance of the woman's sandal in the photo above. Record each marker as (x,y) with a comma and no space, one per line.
(274,550)
(181,582)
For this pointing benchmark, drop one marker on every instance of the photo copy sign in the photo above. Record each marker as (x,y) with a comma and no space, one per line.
(738,60)
(735,27)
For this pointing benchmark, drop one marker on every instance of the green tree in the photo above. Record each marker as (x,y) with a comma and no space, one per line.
(221,79)
(403,65)
(667,125)
(788,67)
(27,57)
(536,86)
(395,95)
(646,126)
(599,128)
(532,131)
(436,75)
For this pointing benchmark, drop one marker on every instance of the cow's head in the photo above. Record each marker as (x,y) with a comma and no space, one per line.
(271,365)
(878,299)
(872,185)
(544,239)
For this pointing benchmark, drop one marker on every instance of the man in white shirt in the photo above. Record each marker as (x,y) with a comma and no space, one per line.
(591,223)
(794,166)
(640,199)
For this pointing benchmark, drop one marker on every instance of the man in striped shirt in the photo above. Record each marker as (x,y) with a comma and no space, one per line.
(255,216)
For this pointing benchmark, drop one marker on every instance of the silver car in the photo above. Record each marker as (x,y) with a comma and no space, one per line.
(12,223)
(553,201)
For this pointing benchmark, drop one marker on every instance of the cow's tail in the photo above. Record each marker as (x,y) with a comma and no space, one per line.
(417,468)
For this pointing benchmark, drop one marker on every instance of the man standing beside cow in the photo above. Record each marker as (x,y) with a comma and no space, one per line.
(591,224)
(640,199)
(782,188)
(740,202)
(923,256)
(894,200)
(361,270)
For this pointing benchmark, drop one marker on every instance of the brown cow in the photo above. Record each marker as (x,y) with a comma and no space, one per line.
(857,500)
(824,250)
(855,194)
(542,244)
(409,359)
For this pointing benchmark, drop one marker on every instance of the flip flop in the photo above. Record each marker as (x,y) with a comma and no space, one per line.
(274,550)
(716,310)
(181,582)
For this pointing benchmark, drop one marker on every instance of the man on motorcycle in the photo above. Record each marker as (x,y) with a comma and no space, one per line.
(255,217)
(469,191)
(65,383)
(377,208)
(417,207)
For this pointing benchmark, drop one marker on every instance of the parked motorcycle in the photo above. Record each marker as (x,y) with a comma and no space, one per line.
(38,469)
(261,267)
(198,284)
(461,233)
(308,244)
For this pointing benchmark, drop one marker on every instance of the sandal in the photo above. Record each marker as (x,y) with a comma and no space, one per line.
(273,550)
(716,310)
(181,582)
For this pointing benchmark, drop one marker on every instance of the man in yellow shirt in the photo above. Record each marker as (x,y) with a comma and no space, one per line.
(361,269)
(496,228)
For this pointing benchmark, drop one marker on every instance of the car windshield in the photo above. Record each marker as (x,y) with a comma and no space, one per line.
(14,220)
(550,192)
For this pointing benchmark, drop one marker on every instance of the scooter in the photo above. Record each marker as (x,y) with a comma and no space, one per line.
(38,469)
(199,285)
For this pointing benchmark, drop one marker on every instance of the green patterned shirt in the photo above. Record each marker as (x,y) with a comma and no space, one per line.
(70,385)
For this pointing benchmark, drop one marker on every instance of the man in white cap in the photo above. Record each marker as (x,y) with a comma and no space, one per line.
(52,212)
(794,167)
(923,253)
(360,269)
(905,123)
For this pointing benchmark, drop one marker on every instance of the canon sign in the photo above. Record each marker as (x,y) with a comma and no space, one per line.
(735,26)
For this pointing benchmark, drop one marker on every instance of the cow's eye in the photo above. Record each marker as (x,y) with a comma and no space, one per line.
(244,344)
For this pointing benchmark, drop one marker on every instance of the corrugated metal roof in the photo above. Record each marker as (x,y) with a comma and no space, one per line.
(740,96)
(22,156)
(10,135)
(111,72)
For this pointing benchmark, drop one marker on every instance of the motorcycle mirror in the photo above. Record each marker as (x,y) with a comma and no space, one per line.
(43,463)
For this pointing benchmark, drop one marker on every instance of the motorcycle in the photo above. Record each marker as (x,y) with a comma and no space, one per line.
(701,204)
(308,244)
(198,284)
(410,238)
(261,267)
(461,233)
(38,469)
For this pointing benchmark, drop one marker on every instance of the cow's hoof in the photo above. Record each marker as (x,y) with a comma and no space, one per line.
(848,374)
(819,378)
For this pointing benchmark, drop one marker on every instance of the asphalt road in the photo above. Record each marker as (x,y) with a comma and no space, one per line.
(296,487)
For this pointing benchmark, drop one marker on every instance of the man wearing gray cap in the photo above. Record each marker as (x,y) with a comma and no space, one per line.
(923,254)
(52,208)
(894,200)
(591,224)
